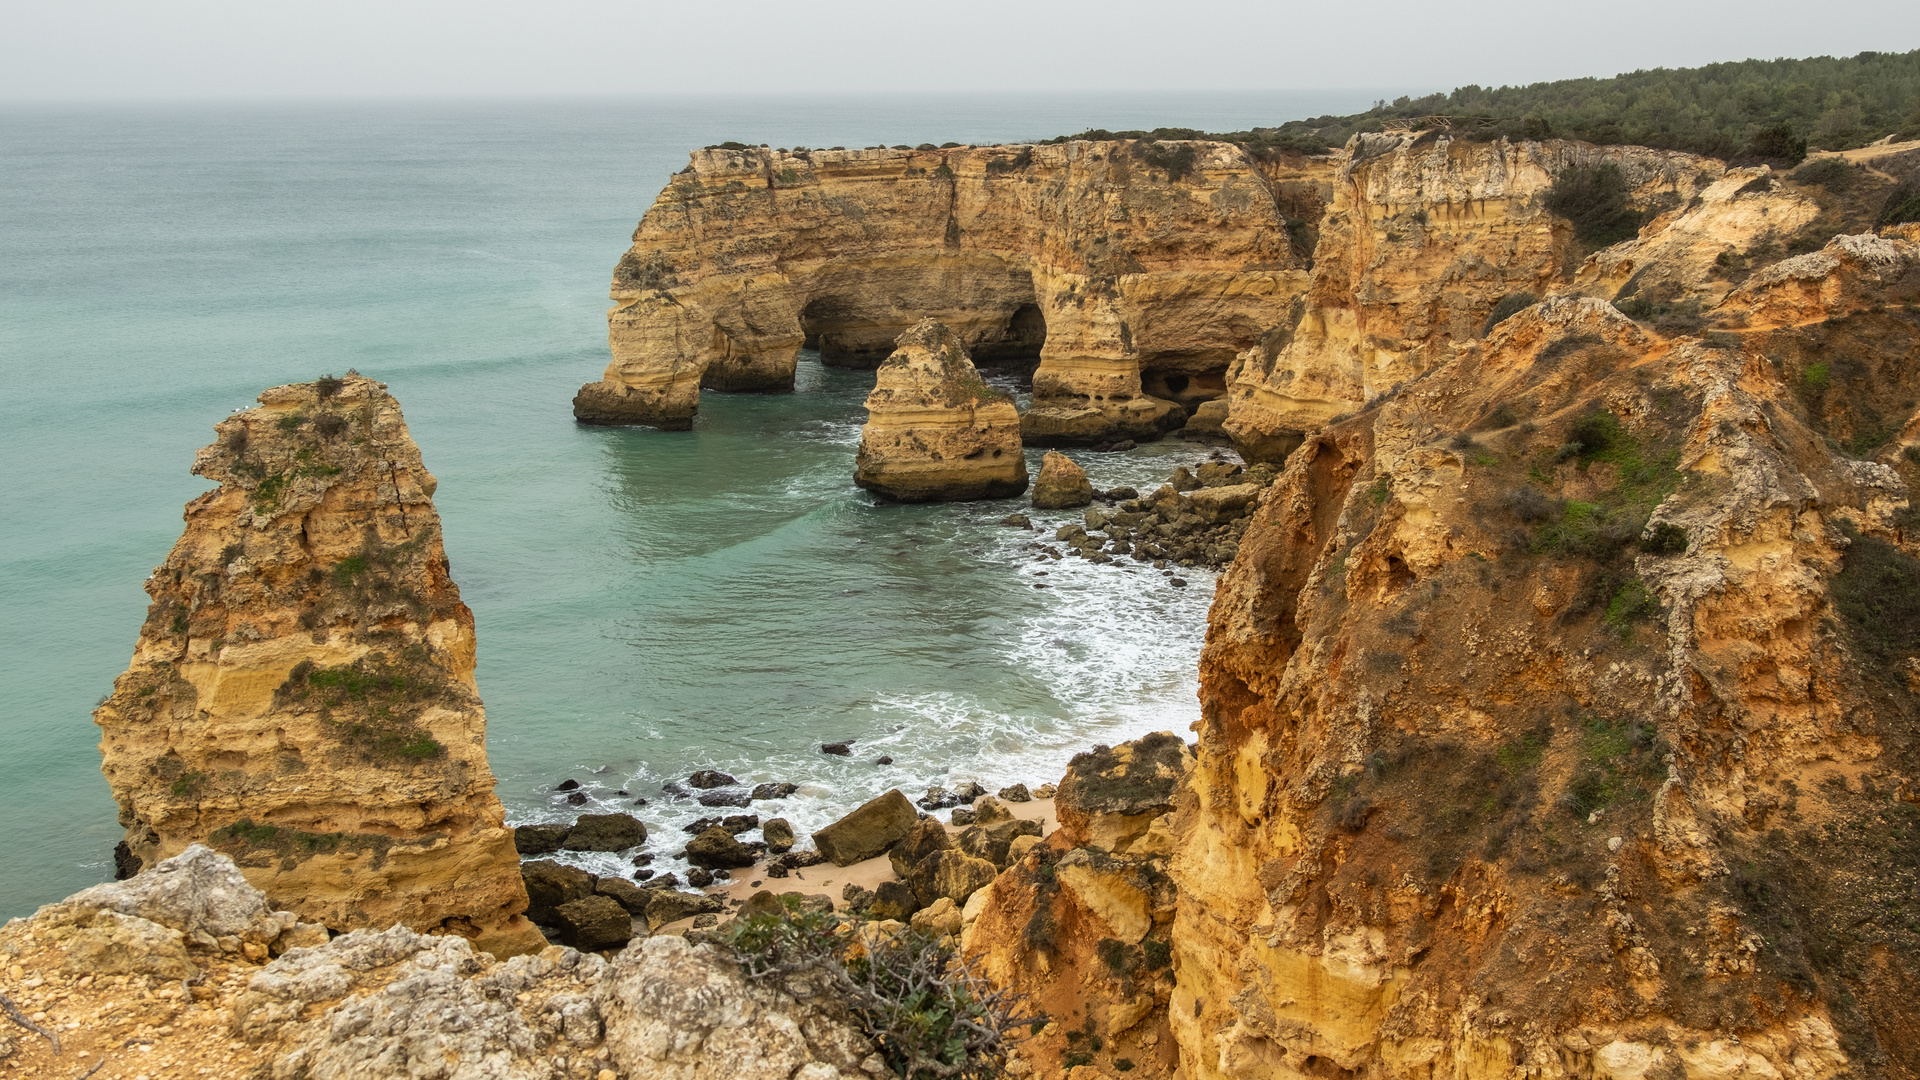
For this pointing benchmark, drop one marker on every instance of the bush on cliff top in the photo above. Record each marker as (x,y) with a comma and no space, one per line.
(1753,110)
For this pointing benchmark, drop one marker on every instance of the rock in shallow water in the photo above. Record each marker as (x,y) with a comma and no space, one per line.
(936,432)
(710,778)
(717,848)
(1062,484)
(539,839)
(605,832)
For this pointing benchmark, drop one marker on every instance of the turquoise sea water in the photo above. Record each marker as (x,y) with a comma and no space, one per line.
(648,603)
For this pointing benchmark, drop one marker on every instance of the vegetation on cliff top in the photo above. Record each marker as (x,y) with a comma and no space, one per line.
(1766,110)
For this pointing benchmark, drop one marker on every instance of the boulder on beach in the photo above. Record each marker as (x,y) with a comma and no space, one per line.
(594,922)
(893,900)
(551,884)
(778,833)
(1016,793)
(924,839)
(994,842)
(873,828)
(1218,505)
(953,874)
(669,905)
(626,894)
(1062,484)
(605,832)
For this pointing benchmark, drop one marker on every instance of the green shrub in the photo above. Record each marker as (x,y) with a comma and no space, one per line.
(291,421)
(327,386)
(347,569)
(927,1012)
(1510,305)
(188,784)
(1666,539)
(1595,201)
(1176,160)
(1834,174)
(1877,592)
(1632,603)
(1775,144)
(1903,202)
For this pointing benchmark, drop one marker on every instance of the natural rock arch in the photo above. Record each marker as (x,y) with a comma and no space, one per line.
(1079,255)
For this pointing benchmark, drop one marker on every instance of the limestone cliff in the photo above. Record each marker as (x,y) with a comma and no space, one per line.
(301,696)
(1423,236)
(1559,715)
(935,431)
(1110,262)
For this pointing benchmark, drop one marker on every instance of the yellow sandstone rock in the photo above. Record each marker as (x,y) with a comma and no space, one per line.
(935,431)
(301,697)
(1127,269)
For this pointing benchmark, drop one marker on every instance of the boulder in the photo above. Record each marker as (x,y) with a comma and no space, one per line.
(925,838)
(893,900)
(1184,480)
(716,848)
(699,878)
(778,833)
(938,919)
(873,828)
(1018,521)
(1219,505)
(962,815)
(606,832)
(710,778)
(968,791)
(1016,793)
(1208,423)
(1110,797)
(951,873)
(761,903)
(592,923)
(988,810)
(626,894)
(938,798)
(539,839)
(551,884)
(566,785)
(726,798)
(838,749)
(774,791)
(670,906)
(935,431)
(1215,474)
(116,944)
(1062,484)
(993,842)
(1020,846)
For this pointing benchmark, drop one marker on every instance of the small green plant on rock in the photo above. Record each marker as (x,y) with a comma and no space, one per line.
(927,1012)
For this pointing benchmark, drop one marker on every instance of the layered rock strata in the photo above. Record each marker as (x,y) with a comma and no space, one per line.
(301,697)
(1109,262)
(1557,716)
(935,431)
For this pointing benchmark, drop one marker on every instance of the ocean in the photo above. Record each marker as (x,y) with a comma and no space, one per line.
(648,603)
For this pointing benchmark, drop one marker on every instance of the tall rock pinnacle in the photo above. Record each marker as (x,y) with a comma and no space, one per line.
(301,697)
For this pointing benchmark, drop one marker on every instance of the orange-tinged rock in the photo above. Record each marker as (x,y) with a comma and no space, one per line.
(935,431)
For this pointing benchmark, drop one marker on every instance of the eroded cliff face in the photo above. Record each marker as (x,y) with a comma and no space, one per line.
(1558,716)
(1107,261)
(301,696)
(935,430)
(1423,236)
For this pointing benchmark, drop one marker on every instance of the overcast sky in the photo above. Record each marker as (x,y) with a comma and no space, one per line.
(166,49)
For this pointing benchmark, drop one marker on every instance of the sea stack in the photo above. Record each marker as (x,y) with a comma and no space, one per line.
(301,697)
(935,431)
(1063,484)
